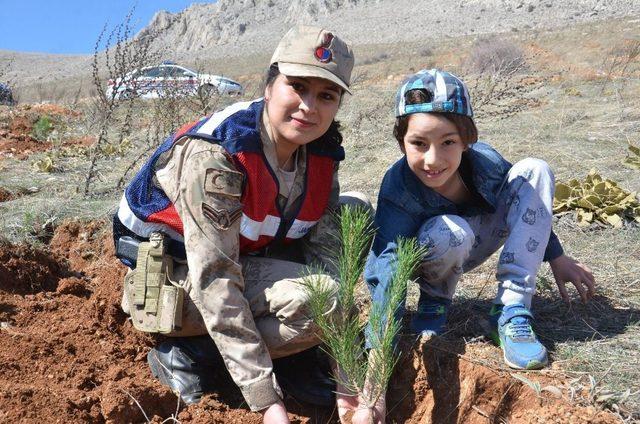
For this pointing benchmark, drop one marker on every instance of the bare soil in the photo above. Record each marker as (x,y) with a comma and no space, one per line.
(16,129)
(70,353)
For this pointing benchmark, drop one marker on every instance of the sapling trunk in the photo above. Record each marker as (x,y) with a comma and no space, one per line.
(342,332)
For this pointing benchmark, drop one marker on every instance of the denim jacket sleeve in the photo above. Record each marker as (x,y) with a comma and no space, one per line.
(554,248)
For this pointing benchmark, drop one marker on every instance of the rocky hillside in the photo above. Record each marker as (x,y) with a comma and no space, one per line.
(239,29)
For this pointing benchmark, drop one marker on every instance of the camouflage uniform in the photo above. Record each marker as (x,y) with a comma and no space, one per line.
(253,307)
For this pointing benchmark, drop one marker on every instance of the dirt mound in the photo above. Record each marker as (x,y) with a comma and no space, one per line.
(17,129)
(24,269)
(456,382)
(70,353)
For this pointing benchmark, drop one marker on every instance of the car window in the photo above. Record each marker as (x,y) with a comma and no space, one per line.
(180,72)
(168,72)
(151,72)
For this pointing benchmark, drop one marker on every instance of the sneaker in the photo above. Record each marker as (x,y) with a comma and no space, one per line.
(513,333)
(431,317)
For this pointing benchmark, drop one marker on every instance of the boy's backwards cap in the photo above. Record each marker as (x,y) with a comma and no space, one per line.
(307,51)
(447,93)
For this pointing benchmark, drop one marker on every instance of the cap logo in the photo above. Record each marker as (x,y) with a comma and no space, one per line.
(322,52)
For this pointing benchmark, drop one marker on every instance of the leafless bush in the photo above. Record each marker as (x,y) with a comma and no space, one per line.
(493,55)
(50,93)
(113,58)
(176,105)
(621,61)
(380,57)
(358,77)
(496,75)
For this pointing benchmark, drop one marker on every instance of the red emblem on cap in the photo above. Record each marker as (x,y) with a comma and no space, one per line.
(322,52)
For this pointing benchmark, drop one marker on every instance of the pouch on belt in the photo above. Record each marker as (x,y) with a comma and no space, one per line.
(155,301)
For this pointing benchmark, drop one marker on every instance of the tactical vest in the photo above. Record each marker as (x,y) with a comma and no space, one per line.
(145,208)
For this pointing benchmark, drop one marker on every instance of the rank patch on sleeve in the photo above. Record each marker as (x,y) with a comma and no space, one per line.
(220,181)
(222,219)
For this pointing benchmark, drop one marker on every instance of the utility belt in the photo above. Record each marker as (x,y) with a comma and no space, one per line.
(154,299)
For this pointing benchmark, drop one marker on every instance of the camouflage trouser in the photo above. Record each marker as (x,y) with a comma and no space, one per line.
(521,223)
(277,301)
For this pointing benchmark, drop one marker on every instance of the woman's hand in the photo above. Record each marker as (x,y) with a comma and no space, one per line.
(566,269)
(275,414)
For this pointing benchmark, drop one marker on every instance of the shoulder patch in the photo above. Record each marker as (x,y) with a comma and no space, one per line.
(219,181)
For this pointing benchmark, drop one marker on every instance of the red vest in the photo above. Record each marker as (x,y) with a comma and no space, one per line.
(261,217)
(146,208)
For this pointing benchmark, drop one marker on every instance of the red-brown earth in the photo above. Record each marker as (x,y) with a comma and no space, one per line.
(16,130)
(68,354)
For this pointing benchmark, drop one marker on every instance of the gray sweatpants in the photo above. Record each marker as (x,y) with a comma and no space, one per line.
(521,222)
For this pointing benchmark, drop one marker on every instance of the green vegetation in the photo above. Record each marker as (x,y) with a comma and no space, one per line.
(360,372)
(42,128)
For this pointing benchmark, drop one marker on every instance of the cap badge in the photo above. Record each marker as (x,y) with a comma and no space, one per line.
(322,52)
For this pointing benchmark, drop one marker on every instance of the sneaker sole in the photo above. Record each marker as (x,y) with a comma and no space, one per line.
(532,365)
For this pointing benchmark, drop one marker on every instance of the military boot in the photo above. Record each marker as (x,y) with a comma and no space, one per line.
(186,365)
(306,376)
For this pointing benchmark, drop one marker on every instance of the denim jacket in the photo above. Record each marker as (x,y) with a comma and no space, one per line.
(405,203)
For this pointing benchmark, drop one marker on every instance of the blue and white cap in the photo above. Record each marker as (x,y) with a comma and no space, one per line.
(447,93)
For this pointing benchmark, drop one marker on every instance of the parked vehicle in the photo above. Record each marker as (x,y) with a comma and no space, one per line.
(169,80)
(6,96)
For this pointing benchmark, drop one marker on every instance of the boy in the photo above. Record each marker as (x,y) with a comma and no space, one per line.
(463,201)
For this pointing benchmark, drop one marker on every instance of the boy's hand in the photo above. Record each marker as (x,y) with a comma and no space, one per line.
(351,409)
(347,405)
(566,269)
(361,416)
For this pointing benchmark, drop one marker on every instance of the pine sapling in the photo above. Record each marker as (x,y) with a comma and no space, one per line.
(366,376)
(341,331)
(385,323)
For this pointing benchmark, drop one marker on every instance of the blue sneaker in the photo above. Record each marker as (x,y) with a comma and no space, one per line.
(514,334)
(431,317)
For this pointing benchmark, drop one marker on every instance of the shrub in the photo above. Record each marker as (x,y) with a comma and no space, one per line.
(375,59)
(496,55)
(42,128)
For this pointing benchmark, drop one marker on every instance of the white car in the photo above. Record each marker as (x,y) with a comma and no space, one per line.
(169,80)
